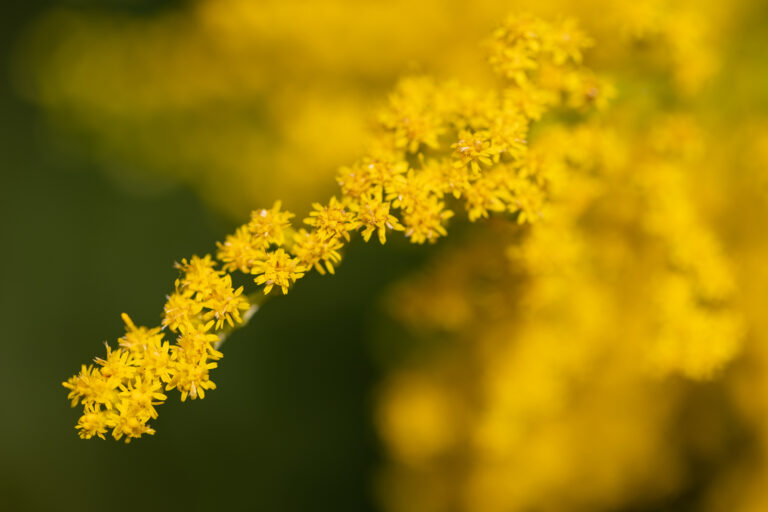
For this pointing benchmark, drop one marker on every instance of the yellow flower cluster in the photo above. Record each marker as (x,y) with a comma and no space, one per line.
(121,392)
(567,354)
(437,143)
(561,383)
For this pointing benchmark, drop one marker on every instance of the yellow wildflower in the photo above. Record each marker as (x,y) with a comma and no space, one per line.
(197,342)
(367,175)
(474,149)
(354,181)
(424,222)
(278,269)
(137,339)
(129,422)
(225,303)
(190,376)
(407,191)
(197,274)
(143,395)
(120,364)
(315,250)
(90,387)
(269,225)
(487,194)
(156,363)
(373,214)
(93,422)
(241,250)
(454,180)
(508,132)
(411,115)
(180,308)
(332,221)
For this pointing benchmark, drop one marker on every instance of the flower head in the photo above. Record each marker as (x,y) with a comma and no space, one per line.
(241,250)
(268,226)
(373,215)
(314,250)
(279,269)
(333,220)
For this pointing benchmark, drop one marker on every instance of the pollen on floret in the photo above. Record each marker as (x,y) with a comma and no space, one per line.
(278,269)
(130,421)
(181,308)
(425,221)
(90,386)
(142,396)
(197,342)
(487,194)
(224,303)
(333,220)
(317,251)
(191,376)
(368,176)
(139,338)
(197,273)
(93,422)
(120,364)
(408,191)
(508,134)
(270,225)
(474,149)
(242,250)
(373,215)
(155,364)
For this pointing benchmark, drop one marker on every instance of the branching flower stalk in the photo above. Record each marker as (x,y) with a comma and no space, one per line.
(438,144)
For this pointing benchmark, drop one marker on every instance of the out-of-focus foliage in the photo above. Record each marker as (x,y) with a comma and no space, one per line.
(248,100)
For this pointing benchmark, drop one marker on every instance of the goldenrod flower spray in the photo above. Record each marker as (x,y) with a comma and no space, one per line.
(438,145)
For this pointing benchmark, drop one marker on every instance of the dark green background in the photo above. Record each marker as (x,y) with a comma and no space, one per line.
(289,427)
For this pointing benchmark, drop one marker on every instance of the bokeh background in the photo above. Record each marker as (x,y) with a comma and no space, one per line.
(135,133)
